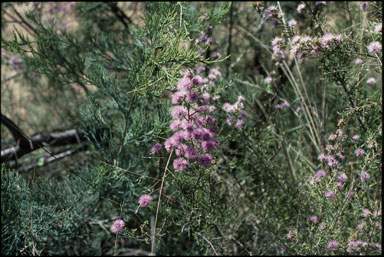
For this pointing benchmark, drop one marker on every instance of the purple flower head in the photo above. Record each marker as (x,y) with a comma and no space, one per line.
(191,152)
(184,84)
(323,226)
(361,226)
(364,176)
(156,148)
(200,69)
(193,96)
(268,80)
(230,121)
(320,173)
(333,245)
(239,123)
(244,114)
(350,195)
(180,164)
(331,195)
(358,61)
(363,6)
(197,134)
(207,145)
(117,226)
(366,213)
(314,219)
(371,80)
(216,55)
(180,149)
(52,10)
(197,80)
(169,144)
(292,23)
(359,152)
(291,235)
(342,177)
(378,28)
(300,7)
(321,157)
(339,185)
(178,97)
(178,111)
(374,47)
(205,160)
(188,126)
(175,125)
(145,200)
(209,41)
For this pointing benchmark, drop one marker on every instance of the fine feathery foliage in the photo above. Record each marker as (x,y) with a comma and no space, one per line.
(209,128)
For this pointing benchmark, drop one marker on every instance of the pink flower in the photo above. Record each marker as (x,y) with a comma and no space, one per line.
(300,7)
(169,144)
(291,235)
(230,121)
(117,226)
(320,173)
(156,148)
(374,47)
(359,152)
(178,97)
(333,245)
(193,96)
(268,80)
(323,226)
(371,81)
(378,28)
(292,23)
(205,160)
(175,125)
(180,164)
(145,200)
(331,195)
(366,213)
(184,84)
(342,177)
(361,226)
(239,123)
(178,111)
(190,153)
(197,80)
(355,137)
(314,219)
(358,61)
(364,176)
(321,157)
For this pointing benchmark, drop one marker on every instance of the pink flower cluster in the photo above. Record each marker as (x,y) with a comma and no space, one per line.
(145,200)
(304,46)
(282,105)
(204,41)
(236,113)
(193,122)
(117,226)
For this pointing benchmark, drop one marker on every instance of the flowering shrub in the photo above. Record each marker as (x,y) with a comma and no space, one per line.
(228,128)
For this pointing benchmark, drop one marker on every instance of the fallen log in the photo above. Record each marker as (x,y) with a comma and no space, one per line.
(72,136)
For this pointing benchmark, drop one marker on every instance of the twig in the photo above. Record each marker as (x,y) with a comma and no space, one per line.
(158,204)
(213,248)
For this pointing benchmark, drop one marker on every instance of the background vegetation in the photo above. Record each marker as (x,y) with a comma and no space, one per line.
(88,89)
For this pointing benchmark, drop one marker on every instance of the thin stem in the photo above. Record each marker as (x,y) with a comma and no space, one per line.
(158,204)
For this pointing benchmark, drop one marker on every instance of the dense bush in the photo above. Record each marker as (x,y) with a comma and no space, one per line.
(226,128)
